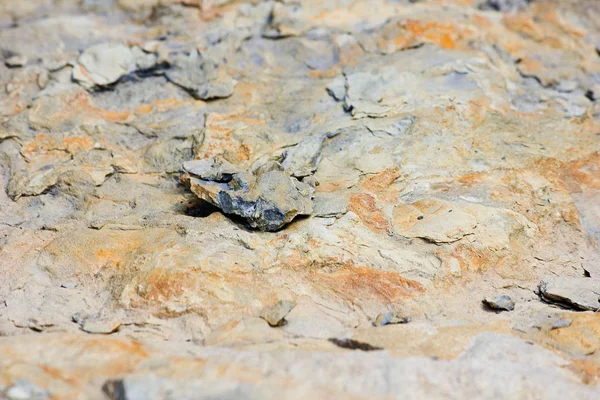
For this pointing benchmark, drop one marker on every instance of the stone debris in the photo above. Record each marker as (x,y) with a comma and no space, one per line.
(101,326)
(276,314)
(391,318)
(104,64)
(25,390)
(16,61)
(302,160)
(267,201)
(500,303)
(579,294)
(214,169)
(187,162)
(203,78)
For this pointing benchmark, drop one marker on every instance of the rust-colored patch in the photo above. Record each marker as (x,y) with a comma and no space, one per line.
(581,337)
(588,369)
(380,185)
(575,176)
(473,260)
(76,144)
(364,205)
(471,178)
(523,24)
(443,34)
(366,283)
(166,285)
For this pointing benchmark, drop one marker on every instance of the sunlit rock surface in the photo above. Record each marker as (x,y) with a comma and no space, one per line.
(381,157)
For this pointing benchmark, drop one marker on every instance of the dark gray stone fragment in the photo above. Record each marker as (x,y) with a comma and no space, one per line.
(267,200)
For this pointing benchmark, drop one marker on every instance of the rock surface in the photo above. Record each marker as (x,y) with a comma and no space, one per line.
(359,157)
(576,293)
(500,303)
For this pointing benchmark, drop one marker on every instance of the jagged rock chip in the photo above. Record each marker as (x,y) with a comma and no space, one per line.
(391,318)
(267,201)
(275,315)
(302,160)
(500,303)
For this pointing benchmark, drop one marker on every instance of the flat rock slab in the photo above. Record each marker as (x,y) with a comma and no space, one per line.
(581,294)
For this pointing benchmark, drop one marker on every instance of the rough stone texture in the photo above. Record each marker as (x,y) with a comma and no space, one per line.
(500,303)
(576,293)
(439,151)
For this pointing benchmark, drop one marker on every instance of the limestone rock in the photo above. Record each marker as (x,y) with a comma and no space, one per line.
(103,64)
(203,78)
(213,169)
(302,160)
(359,156)
(102,326)
(582,294)
(500,303)
(391,318)
(276,314)
(267,201)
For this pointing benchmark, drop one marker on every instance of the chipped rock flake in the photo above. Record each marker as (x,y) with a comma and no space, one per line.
(580,294)
(500,303)
(267,200)
(276,314)
(391,318)
(302,160)
(442,151)
(104,64)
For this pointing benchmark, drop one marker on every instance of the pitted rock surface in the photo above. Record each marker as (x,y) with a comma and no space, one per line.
(171,169)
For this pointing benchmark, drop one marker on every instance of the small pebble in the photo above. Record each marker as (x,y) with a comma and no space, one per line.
(69,285)
(391,318)
(561,323)
(275,316)
(500,303)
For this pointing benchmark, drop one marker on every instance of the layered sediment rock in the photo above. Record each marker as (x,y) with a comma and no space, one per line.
(171,169)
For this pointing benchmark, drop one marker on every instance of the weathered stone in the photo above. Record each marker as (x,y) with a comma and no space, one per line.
(449,151)
(580,294)
(390,318)
(302,160)
(214,169)
(104,64)
(267,201)
(500,303)
(276,314)
(103,326)
(203,78)
(16,61)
